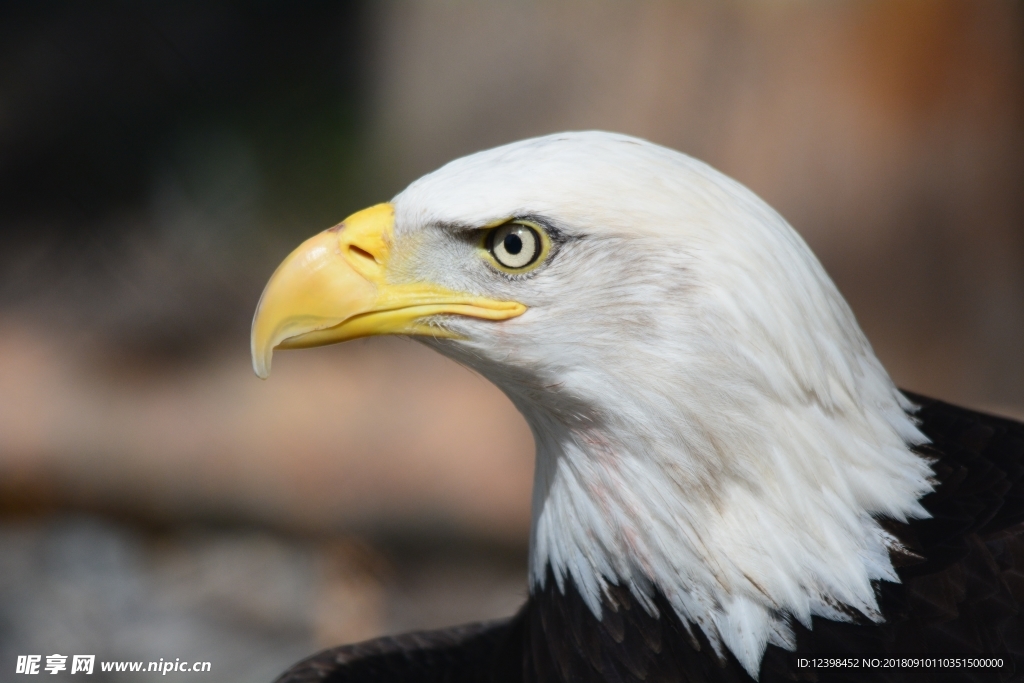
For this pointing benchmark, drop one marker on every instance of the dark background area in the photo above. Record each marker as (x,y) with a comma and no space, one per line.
(99,99)
(157,160)
(249,113)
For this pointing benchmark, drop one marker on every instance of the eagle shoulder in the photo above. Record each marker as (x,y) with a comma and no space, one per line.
(486,652)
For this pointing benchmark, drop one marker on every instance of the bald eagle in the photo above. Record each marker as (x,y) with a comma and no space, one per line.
(728,484)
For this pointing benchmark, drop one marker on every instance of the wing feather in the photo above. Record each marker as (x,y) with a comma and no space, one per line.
(474,653)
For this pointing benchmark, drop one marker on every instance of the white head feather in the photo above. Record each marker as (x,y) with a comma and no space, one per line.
(709,418)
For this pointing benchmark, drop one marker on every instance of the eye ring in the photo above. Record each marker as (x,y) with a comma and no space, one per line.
(516,246)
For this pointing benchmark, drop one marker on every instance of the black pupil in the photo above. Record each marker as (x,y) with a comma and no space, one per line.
(513,243)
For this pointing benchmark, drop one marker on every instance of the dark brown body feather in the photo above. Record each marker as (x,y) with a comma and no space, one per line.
(962,593)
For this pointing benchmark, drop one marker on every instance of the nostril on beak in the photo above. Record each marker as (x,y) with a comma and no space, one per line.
(362,254)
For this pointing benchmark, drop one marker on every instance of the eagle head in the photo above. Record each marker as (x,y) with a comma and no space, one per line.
(710,421)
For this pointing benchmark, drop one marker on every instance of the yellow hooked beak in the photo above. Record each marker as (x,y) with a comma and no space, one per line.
(334,287)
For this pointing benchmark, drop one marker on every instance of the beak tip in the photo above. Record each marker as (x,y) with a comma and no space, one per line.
(262,370)
(261,362)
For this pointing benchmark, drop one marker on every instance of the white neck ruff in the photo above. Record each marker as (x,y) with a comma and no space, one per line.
(777,523)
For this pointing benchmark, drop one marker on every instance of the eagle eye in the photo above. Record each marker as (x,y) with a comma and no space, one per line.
(516,246)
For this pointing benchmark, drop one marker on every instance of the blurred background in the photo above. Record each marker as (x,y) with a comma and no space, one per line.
(157,160)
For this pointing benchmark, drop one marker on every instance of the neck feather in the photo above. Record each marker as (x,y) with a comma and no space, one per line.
(744,517)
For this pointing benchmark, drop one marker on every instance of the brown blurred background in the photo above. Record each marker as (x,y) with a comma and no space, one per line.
(158,159)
